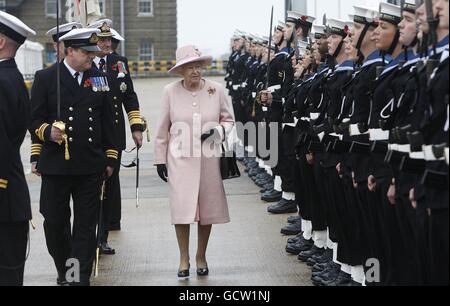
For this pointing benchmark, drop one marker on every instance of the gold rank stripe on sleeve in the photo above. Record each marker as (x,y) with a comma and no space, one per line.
(3,184)
(40,132)
(36,149)
(134,117)
(112,154)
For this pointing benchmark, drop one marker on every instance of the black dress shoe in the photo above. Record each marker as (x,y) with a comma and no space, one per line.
(294,219)
(203,271)
(295,239)
(303,256)
(292,229)
(266,188)
(283,207)
(324,258)
(302,245)
(354,284)
(61,280)
(184,273)
(327,276)
(343,279)
(105,249)
(319,267)
(272,196)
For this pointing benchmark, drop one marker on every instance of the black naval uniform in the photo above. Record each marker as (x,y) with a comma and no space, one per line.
(356,109)
(15,210)
(91,143)
(435,179)
(123,96)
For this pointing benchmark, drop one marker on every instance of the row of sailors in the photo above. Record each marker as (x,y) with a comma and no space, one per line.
(362,114)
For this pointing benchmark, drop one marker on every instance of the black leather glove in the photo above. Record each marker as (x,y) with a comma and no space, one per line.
(212,133)
(162,172)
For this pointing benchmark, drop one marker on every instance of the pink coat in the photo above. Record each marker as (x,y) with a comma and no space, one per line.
(197,193)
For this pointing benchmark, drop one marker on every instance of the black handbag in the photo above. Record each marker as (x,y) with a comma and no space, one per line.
(228,164)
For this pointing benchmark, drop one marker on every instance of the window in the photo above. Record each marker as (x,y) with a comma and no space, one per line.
(50,54)
(145,8)
(2,5)
(50,8)
(102,5)
(146,52)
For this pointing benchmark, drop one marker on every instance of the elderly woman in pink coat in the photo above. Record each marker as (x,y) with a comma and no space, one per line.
(196,117)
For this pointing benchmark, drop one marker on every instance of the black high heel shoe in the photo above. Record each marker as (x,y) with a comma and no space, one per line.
(203,271)
(184,273)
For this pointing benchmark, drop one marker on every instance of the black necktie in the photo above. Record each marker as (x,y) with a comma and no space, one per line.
(102,65)
(75,76)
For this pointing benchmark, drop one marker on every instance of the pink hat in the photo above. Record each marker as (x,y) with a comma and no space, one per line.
(189,54)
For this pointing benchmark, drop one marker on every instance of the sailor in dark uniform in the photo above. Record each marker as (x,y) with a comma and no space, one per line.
(79,152)
(305,190)
(15,209)
(434,137)
(272,101)
(380,173)
(36,144)
(124,96)
(298,28)
(354,116)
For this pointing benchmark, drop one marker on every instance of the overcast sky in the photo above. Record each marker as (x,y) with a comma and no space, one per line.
(209,24)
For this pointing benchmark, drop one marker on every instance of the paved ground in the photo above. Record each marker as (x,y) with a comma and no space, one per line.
(249,251)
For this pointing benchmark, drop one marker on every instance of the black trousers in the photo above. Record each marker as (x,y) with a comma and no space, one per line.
(422,249)
(319,208)
(352,224)
(307,194)
(384,229)
(439,235)
(13,249)
(288,159)
(55,206)
(239,111)
(112,205)
(405,253)
(337,215)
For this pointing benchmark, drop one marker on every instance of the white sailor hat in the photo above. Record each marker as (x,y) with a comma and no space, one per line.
(63,30)
(117,36)
(409,6)
(14,28)
(281,25)
(319,31)
(365,15)
(307,20)
(104,25)
(338,27)
(85,39)
(99,23)
(390,13)
(293,17)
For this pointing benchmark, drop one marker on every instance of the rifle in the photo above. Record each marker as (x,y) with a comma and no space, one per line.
(270,45)
(433,23)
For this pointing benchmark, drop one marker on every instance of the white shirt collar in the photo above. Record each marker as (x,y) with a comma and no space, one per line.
(97,60)
(73,71)
(4,59)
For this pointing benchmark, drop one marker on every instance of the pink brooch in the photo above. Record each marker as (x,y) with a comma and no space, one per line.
(211,91)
